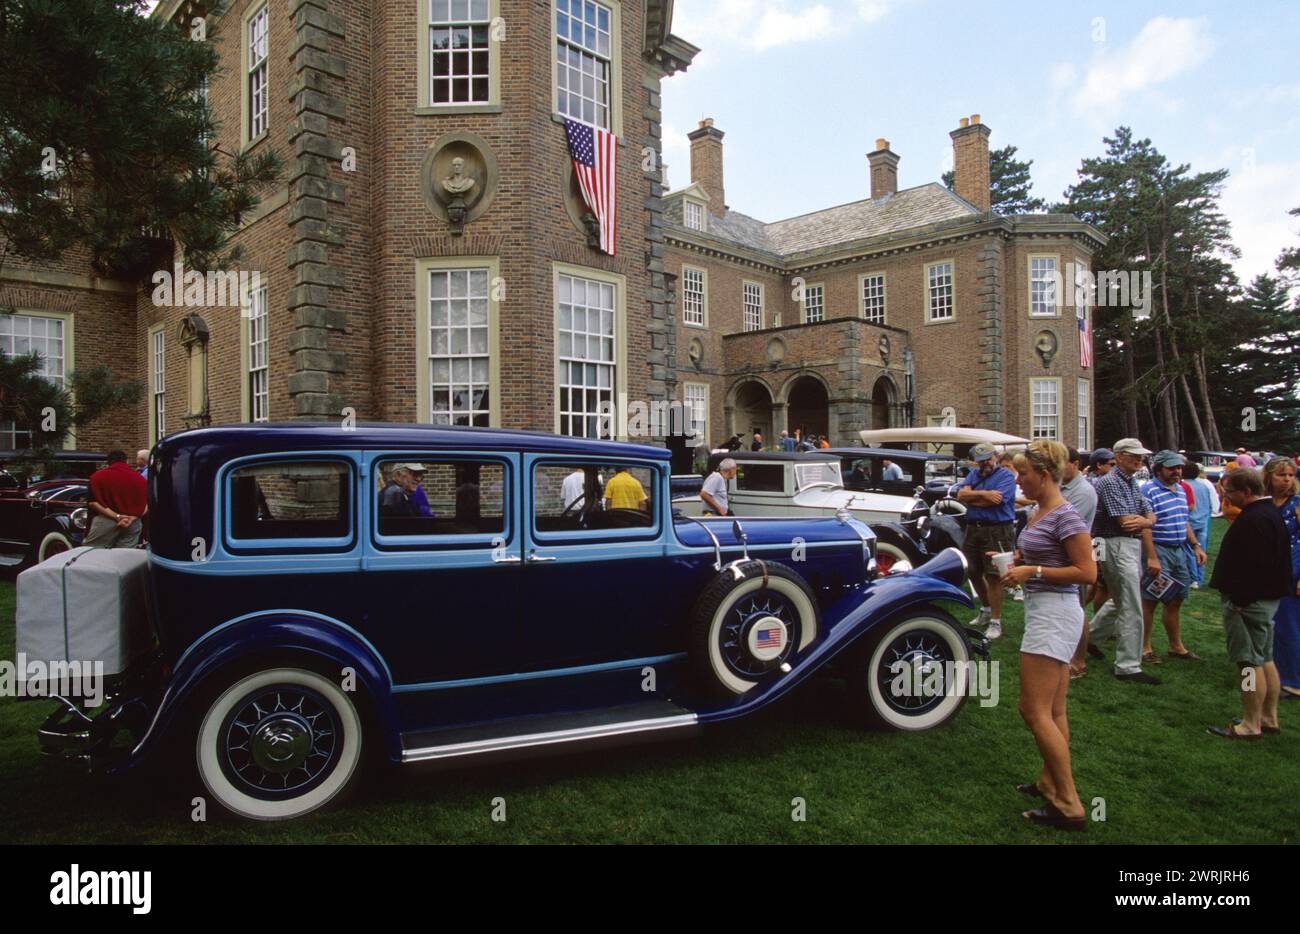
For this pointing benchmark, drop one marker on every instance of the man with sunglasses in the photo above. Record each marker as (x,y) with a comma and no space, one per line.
(1124,520)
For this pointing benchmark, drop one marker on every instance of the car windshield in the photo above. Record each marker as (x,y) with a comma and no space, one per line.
(939,470)
(822,473)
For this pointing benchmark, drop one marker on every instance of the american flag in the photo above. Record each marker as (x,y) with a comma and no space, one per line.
(595,159)
(768,638)
(1085,336)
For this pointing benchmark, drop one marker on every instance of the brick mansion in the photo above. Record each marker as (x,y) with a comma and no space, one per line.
(428,254)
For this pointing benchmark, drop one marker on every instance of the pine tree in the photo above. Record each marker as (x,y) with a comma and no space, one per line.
(1009,183)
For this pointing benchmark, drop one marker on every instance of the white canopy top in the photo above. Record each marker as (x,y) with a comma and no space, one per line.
(938,436)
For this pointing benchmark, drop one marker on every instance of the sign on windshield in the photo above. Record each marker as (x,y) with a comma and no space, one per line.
(823,472)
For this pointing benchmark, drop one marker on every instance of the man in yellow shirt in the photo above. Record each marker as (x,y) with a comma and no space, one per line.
(624,491)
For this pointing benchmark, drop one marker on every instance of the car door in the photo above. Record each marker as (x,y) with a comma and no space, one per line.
(592,582)
(444,585)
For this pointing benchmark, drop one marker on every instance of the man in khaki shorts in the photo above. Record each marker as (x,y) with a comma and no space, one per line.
(989,495)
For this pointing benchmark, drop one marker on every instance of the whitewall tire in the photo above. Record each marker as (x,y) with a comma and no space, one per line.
(895,669)
(279,744)
(52,544)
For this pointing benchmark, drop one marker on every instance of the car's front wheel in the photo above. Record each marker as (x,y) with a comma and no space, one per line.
(52,543)
(912,671)
(279,743)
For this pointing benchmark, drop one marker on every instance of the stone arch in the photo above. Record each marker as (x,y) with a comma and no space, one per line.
(885,402)
(749,409)
(807,399)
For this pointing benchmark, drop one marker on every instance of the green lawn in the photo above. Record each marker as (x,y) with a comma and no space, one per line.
(1143,749)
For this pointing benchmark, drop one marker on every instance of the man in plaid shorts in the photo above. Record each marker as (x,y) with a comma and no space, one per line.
(989,495)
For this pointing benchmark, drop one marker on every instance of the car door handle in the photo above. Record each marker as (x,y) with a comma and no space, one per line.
(507,559)
(535,558)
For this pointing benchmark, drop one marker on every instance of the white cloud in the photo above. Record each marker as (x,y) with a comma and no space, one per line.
(1164,49)
(780,27)
(676,153)
(756,25)
(1255,200)
(871,10)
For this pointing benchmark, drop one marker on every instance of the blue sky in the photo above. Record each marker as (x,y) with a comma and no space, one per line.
(803,89)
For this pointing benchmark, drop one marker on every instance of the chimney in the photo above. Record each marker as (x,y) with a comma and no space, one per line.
(884,170)
(706,164)
(970,161)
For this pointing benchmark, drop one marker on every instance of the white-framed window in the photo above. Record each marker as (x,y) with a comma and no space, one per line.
(873,297)
(26,334)
(694,296)
(938,282)
(753,306)
(158,381)
(587,355)
(695,400)
(459,347)
(693,214)
(1045,408)
(255,58)
(460,56)
(1084,411)
(814,303)
(584,50)
(259,395)
(1042,287)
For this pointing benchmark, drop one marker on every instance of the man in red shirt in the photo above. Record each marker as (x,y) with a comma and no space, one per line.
(118,500)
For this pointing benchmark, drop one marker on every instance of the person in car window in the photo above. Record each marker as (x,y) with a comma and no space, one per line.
(395,500)
(714,491)
(624,491)
(892,470)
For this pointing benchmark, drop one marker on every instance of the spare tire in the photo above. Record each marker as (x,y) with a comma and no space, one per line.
(750,620)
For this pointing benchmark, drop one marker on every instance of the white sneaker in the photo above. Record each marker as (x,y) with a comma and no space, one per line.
(985,617)
(994,631)
(1195,586)
(1018,594)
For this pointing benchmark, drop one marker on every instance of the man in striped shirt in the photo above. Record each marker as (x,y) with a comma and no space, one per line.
(1124,521)
(1171,536)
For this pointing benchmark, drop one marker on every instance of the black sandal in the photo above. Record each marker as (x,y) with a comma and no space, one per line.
(1051,815)
(1031,789)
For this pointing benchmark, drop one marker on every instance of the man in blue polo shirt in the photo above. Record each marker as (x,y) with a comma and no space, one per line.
(1172,534)
(989,495)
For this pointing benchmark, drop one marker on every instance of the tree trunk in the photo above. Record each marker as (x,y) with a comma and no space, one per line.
(1130,378)
(1214,442)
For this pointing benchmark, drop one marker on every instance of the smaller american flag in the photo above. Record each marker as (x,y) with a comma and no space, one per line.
(768,638)
(1085,337)
(595,160)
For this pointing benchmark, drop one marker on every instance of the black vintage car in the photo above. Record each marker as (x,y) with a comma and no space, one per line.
(921,474)
(41,520)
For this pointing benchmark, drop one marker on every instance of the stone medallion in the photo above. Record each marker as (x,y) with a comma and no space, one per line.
(459,178)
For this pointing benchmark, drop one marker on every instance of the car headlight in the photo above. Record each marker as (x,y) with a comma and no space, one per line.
(81,518)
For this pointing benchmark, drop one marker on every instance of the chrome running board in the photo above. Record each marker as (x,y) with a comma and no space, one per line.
(506,744)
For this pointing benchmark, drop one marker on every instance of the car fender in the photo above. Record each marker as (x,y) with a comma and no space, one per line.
(278,634)
(940,579)
(897,532)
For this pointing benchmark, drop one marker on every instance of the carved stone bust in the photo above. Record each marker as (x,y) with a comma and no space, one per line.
(1046,345)
(458,179)
(458,183)
(883,346)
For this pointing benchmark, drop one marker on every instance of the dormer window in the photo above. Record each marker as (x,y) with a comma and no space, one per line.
(693,214)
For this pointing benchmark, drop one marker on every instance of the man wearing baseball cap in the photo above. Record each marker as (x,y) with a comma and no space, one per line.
(1102,462)
(1124,522)
(395,499)
(989,494)
(1172,535)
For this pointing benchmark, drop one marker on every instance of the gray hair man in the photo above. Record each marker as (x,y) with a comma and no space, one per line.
(714,491)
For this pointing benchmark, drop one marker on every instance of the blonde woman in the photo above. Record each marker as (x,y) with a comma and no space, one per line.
(1054,559)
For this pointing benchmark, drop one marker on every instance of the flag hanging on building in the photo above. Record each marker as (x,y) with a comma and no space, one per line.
(595,159)
(1085,336)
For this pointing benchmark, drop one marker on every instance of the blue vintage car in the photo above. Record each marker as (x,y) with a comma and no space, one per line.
(320,596)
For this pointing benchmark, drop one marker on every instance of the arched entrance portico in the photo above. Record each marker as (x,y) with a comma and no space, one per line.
(808,405)
(884,403)
(750,411)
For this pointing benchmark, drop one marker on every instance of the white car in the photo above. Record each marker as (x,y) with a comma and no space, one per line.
(790,485)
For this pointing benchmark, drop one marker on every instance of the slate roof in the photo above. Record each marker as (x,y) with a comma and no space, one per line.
(844,223)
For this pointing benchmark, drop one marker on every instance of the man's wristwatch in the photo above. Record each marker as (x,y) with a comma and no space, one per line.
(1038,574)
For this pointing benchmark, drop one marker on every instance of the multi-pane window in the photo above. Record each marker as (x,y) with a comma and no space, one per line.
(158,370)
(28,334)
(873,298)
(693,296)
(1083,411)
(1042,286)
(1044,408)
(939,291)
(459,58)
(814,303)
(587,358)
(583,60)
(693,212)
(695,399)
(458,347)
(753,306)
(257,77)
(258,391)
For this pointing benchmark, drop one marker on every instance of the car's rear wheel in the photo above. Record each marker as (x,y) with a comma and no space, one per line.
(53,543)
(748,624)
(913,670)
(280,743)
(891,549)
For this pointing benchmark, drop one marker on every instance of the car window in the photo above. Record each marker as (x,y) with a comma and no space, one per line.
(440,497)
(592,496)
(290,499)
(818,472)
(761,478)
